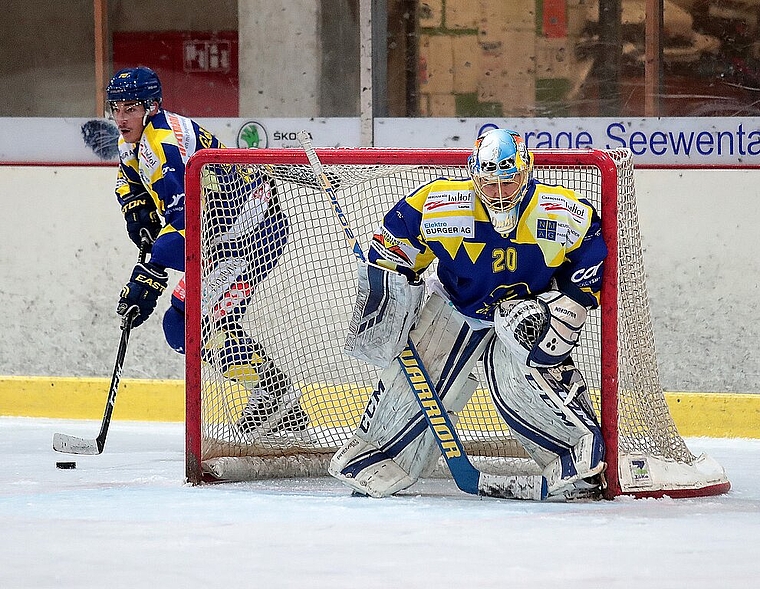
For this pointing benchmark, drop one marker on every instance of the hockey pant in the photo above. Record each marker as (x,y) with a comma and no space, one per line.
(392,447)
(235,268)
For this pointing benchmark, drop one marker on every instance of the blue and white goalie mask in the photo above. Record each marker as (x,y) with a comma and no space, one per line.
(500,167)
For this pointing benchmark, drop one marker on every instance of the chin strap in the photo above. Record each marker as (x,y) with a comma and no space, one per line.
(148,106)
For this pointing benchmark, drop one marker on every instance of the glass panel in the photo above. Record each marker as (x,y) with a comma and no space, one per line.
(432,58)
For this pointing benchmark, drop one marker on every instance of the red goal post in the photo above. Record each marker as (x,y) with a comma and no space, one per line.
(647,456)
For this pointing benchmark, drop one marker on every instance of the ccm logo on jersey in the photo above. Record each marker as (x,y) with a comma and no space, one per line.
(585,274)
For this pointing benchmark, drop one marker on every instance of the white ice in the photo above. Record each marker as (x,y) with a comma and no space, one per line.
(126,519)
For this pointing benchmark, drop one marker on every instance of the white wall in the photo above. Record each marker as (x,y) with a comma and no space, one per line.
(700,249)
(64,256)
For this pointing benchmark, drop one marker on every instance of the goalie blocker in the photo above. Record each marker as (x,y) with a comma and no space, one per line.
(386,308)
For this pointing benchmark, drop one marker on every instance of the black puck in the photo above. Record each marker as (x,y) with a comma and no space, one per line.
(66,465)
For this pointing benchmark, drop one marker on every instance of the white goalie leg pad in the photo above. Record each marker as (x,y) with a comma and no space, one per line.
(363,467)
(393,427)
(386,308)
(550,413)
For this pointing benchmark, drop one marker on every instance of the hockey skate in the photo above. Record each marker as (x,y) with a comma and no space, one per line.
(269,415)
(588,489)
(273,405)
(577,475)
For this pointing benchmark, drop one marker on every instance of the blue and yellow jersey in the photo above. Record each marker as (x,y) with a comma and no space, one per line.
(558,236)
(157,165)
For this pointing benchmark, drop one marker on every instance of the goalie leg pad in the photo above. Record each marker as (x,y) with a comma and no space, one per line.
(392,426)
(386,308)
(366,469)
(550,413)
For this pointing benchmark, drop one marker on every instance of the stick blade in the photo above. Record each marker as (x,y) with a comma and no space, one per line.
(75,445)
(530,487)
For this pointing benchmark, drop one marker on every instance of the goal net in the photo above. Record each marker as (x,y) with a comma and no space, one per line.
(298,293)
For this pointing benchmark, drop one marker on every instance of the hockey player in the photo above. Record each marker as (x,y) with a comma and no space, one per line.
(519,265)
(154,146)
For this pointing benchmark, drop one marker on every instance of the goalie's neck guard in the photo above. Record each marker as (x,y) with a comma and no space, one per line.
(503,221)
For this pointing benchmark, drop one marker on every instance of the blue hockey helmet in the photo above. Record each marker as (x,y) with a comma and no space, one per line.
(501,167)
(140,84)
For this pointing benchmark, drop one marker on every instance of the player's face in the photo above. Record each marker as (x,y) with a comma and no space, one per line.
(503,193)
(129,117)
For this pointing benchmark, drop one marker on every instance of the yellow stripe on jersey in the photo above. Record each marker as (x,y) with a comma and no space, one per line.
(556,221)
(152,159)
(449,210)
(169,228)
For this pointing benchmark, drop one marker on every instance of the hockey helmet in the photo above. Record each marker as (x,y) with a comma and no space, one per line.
(140,84)
(501,167)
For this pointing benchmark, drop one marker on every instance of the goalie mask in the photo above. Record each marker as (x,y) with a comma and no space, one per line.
(501,167)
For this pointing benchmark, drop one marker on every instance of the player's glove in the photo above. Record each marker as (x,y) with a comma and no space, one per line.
(542,330)
(140,295)
(142,218)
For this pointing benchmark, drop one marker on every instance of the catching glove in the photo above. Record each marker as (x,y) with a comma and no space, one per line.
(142,218)
(541,331)
(140,295)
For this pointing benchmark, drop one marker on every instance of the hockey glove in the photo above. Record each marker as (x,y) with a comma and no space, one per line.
(140,295)
(142,218)
(387,307)
(540,331)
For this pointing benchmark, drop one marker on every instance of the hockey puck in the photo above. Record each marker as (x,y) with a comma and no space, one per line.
(66,465)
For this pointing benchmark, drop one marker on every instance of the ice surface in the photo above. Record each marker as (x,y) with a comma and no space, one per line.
(126,519)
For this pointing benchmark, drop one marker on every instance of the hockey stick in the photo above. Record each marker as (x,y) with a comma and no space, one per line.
(468,478)
(76,445)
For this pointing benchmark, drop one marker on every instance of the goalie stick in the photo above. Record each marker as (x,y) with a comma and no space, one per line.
(76,445)
(468,478)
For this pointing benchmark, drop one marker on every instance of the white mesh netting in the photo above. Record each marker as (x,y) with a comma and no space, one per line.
(299,312)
